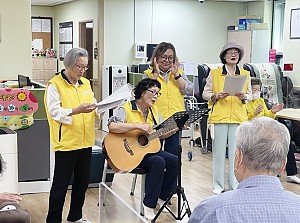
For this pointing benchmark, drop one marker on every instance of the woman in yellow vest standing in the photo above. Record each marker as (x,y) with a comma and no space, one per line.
(70,106)
(227,112)
(174,85)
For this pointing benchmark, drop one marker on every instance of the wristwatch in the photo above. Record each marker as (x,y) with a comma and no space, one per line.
(177,77)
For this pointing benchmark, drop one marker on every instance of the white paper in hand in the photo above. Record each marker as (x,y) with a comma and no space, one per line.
(116,99)
(234,84)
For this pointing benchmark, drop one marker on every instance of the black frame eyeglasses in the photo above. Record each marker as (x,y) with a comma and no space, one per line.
(235,53)
(165,58)
(82,67)
(154,93)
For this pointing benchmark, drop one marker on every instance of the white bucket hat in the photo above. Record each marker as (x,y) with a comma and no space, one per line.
(232,45)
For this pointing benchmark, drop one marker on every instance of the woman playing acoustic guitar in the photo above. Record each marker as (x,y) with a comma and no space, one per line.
(140,115)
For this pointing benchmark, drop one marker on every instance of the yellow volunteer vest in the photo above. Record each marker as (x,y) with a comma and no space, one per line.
(231,109)
(134,115)
(252,105)
(81,133)
(171,99)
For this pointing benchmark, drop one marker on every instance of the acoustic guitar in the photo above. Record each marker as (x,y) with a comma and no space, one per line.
(125,151)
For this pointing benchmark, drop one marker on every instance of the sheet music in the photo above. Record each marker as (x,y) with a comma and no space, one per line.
(234,84)
(116,99)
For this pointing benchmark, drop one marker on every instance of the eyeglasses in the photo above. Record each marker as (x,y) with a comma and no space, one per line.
(154,93)
(235,53)
(165,58)
(85,68)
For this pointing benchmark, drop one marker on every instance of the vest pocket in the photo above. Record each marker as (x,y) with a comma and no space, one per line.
(59,132)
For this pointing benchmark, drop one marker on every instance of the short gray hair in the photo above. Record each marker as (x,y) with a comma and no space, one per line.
(72,56)
(264,143)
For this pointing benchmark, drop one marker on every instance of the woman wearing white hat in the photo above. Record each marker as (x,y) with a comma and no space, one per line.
(227,112)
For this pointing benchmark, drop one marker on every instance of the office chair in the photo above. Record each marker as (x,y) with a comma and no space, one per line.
(203,72)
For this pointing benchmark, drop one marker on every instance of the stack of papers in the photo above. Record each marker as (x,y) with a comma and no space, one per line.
(117,98)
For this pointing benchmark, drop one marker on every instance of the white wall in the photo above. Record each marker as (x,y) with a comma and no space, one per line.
(255,8)
(197,30)
(77,11)
(291,47)
(42,11)
(15,35)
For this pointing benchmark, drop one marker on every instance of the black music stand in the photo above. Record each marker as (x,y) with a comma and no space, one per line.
(179,119)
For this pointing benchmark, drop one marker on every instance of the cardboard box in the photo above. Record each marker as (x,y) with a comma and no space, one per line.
(245,20)
(260,26)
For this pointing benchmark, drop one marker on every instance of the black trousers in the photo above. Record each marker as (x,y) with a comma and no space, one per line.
(78,163)
(171,144)
(291,166)
(162,175)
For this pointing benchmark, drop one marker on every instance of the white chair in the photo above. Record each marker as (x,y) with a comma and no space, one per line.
(136,171)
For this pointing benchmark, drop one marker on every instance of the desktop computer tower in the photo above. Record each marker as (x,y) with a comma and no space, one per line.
(113,78)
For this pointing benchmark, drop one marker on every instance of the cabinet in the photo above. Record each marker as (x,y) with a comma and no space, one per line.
(34,154)
(43,68)
(8,151)
(256,44)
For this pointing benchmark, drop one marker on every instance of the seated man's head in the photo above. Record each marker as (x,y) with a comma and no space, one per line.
(262,147)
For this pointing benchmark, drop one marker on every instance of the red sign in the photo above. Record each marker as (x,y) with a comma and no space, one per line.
(288,67)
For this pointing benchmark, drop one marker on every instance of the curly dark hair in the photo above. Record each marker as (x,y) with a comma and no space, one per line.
(144,85)
(160,49)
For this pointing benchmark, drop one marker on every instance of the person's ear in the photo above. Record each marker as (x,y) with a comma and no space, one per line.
(238,159)
(283,166)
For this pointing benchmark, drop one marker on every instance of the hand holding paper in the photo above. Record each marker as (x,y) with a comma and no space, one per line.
(115,99)
(234,84)
(222,95)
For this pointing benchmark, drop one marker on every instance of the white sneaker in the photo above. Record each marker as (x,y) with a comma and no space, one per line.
(80,221)
(218,191)
(8,207)
(160,203)
(149,213)
(293,179)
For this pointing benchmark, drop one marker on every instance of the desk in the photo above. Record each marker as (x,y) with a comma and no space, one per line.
(289,113)
(292,114)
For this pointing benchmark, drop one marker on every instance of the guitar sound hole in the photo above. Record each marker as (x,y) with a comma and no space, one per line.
(142,140)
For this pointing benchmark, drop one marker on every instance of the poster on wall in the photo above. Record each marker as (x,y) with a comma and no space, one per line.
(36,25)
(65,38)
(0,28)
(295,24)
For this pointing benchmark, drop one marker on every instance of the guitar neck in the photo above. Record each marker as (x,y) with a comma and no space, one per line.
(159,133)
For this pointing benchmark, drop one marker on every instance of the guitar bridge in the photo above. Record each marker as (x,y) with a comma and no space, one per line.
(127,147)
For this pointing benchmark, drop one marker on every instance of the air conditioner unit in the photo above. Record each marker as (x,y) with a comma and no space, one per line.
(8,151)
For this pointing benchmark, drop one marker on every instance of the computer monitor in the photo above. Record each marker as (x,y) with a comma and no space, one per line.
(24,81)
(150,49)
(143,67)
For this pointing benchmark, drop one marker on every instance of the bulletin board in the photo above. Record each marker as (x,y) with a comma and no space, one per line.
(295,24)
(65,38)
(41,28)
